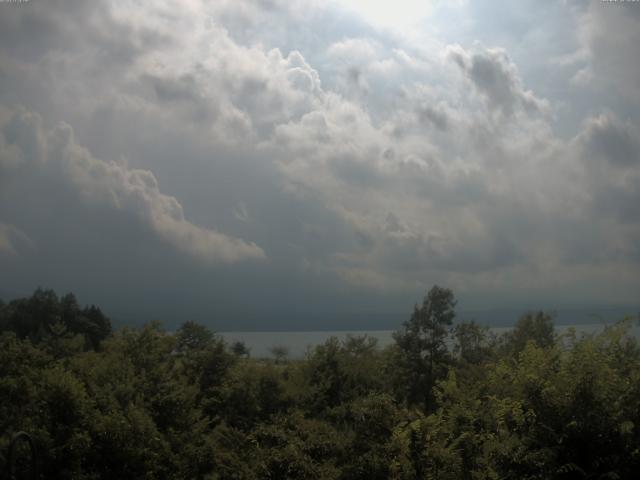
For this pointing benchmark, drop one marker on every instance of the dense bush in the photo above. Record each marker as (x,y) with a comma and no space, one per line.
(447,401)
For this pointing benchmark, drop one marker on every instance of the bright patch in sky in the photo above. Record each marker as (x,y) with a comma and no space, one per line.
(394,14)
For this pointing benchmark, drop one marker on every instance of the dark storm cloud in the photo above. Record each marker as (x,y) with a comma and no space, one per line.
(31,31)
(28,32)
(434,116)
(495,76)
(175,90)
(609,140)
(610,152)
(13,241)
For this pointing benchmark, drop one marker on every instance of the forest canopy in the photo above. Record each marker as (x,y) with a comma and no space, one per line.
(448,400)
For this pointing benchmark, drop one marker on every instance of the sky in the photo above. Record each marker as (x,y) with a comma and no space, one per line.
(309,165)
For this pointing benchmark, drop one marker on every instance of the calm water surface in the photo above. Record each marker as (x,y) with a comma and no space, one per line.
(298,343)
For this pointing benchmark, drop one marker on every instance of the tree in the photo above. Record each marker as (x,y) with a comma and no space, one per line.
(471,342)
(41,316)
(422,348)
(535,327)
(98,325)
(240,349)
(193,336)
(31,317)
(3,316)
(280,352)
(336,373)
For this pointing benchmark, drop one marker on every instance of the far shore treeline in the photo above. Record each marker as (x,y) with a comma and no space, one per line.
(447,400)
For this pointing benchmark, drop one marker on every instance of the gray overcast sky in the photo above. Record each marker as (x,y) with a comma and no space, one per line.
(295,164)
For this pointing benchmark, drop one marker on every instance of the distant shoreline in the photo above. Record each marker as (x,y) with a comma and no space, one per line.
(298,342)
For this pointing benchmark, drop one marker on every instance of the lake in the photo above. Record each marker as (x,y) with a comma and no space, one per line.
(298,343)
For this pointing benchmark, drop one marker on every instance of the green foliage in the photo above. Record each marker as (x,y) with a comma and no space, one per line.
(473,343)
(531,327)
(144,403)
(279,352)
(422,352)
(240,349)
(336,373)
(423,448)
(252,394)
(293,447)
(43,317)
(193,336)
(373,420)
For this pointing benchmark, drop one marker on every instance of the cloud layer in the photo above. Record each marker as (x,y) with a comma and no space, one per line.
(54,156)
(351,158)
